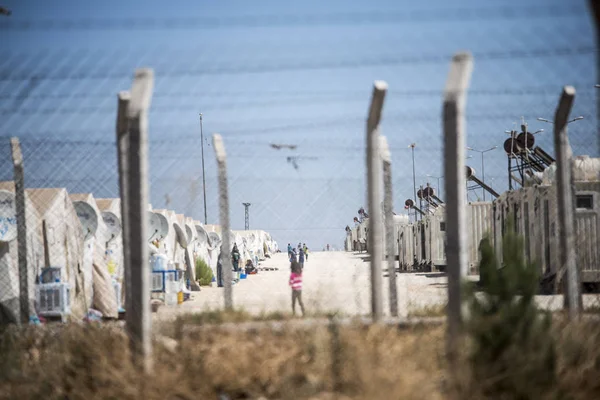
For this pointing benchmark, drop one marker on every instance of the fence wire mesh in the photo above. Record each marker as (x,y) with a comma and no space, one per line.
(289,94)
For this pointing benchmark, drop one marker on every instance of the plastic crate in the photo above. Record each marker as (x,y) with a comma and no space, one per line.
(159,279)
(53,299)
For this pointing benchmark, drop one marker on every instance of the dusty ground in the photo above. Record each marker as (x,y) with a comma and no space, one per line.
(333,281)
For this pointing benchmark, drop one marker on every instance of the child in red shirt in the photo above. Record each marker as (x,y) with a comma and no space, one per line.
(296,285)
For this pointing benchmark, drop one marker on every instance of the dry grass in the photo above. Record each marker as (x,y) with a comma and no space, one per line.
(438,310)
(91,362)
(342,362)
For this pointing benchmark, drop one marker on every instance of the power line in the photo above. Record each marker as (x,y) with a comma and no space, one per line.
(327,19)
(301,65)
(585,87)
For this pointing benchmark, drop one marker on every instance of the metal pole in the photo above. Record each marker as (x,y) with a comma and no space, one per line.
(224,217)
(203,172)
(454,165)
(19,178)
(483,174)
(421,199)
(566,209)
(388,205)
(414,175)
(374,197)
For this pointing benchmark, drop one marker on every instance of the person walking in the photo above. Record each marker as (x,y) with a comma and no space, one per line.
(293,258)
(220,269)
(235,258)
(305,251)
(301,258)
(296,285)
(289,250)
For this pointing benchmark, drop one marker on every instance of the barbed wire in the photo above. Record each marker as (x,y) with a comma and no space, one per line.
(584,89)
(414,16)
(299,65)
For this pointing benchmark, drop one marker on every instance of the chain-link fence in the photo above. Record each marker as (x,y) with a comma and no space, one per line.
(289,95)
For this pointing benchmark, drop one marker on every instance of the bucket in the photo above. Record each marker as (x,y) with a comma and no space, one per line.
(243,276)
(179,297)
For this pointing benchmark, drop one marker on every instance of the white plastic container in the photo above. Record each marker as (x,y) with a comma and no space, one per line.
(171,290)
(159,262)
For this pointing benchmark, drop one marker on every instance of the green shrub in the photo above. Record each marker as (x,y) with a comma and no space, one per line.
(204,273)
(513,354)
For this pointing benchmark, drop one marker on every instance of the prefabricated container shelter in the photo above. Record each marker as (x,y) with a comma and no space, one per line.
(479,224)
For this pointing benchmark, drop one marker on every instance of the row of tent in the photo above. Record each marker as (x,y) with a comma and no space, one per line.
(80,237)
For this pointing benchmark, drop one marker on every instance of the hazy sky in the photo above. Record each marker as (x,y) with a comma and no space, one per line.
(285,72)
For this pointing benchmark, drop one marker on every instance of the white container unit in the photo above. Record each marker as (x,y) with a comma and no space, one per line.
(419,244)
(587,203)
(436,239)
(479,224)
(406,246)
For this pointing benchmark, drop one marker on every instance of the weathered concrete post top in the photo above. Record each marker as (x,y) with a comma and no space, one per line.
(141,93)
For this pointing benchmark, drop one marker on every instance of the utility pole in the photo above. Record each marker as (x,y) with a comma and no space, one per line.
(203,173)
(412,146)
(247,216)
(482,164)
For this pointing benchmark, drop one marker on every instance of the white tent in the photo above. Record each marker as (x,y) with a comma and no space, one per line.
(214,244)
(201,247)
(9,262)
(59,231)
(111,214)
(167,243)
(111,210)
(95,254)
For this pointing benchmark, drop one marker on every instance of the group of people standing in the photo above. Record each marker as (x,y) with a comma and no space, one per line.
(235,261)
(299,255)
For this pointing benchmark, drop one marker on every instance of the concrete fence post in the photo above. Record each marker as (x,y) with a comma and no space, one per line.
(453,121)
(132,136)
(19,177)
(566,207)
(388,210)
(375,236)
(224,217)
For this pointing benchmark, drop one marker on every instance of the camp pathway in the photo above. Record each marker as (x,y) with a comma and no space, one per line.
(332,281)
